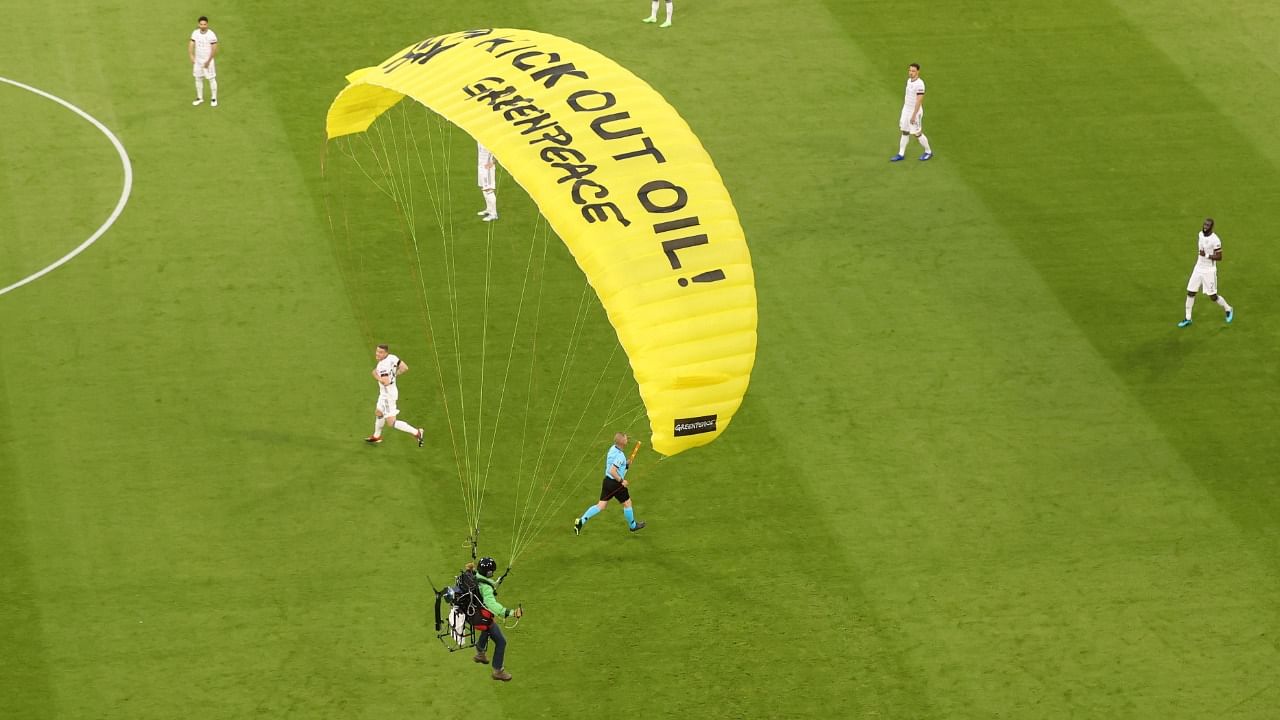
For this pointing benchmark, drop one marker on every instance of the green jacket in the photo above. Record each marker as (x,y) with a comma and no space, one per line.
(489,594)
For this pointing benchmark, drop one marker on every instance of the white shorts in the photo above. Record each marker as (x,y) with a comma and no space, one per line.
(905,124)
(486,177)
(387,402)
(1203,280)
(200,71)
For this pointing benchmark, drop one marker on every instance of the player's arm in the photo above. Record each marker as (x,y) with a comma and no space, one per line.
(213,52)
(191,50)
(402,368)
(915,114)
(1217,254)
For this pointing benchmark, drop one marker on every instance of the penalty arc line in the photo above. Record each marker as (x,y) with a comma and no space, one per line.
(115,214)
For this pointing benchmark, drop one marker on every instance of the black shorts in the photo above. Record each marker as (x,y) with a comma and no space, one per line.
(611,489)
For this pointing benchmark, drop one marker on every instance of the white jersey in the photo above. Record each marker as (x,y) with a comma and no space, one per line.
(486,168)
(1209,245)
(388,367)
(914,89)
(204,44)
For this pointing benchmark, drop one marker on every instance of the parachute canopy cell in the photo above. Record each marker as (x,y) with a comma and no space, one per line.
(625,184)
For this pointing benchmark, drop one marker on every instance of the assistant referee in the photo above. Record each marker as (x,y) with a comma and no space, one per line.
(613,486)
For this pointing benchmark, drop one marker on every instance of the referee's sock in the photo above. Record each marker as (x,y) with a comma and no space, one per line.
(590,513)
(631,517)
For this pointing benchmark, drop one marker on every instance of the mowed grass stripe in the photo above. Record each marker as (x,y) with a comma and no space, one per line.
(1095,413)
(1112,229)
(24,671)
(184,494)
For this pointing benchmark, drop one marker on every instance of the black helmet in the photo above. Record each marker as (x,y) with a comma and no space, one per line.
(487,566)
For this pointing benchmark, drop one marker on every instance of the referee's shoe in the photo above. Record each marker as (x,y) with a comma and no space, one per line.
(577,526)
(639,526)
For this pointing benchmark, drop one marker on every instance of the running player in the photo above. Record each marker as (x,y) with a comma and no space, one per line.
(389,367)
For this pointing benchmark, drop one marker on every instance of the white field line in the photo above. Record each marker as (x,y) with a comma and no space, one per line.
(124,193)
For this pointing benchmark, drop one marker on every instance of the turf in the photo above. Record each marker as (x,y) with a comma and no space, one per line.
(979,473)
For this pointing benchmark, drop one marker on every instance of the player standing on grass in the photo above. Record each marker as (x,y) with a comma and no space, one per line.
(388,368)
(1205,273)
(912,119)
(614,486)
(487,179)
(202,49)
(653,14)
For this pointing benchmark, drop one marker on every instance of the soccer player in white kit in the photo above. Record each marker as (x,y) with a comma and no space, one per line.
(202,49)
(653,13)
(912,118)
(1205,274)
(487,179)
(388,368)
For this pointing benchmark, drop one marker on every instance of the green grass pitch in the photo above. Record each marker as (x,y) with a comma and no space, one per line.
(979,473)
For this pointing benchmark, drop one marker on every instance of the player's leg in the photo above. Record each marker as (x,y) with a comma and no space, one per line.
(902,147)
(670,10)
(1191,301)
(606,491)
(378,422)
(213,85)
(924,143)
(195,71)
(490,203)
(1194,285)
(653,14)
(630,514)
(418,433)
(1211,289)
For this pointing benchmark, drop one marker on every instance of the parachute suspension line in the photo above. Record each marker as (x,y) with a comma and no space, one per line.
(439,143)
(533,363)
(344,258)
(579,472)
(578,322)
(399,179)
(515,332)
(551,477)
(436,203)
(440,201)
(480,477)
(528,507)
(631,416)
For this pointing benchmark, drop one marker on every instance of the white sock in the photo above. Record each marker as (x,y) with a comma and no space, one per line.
(490,201)
(1190,301)
(1223,303)
(213,88)
(654,13)
(199,89)
(924,142)
(671,8)
(403,426)
(377,427)
(902,145)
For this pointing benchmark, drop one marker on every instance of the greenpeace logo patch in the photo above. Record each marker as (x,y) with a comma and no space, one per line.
(695,425)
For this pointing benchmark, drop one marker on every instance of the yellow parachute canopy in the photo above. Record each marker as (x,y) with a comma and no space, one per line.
(623,181)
